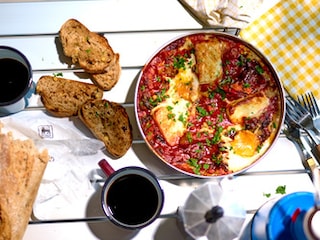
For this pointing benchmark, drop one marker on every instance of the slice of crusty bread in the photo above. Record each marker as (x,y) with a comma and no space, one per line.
(209,63)
(110,77)
(91,50)
(21,170)
(109,122)
(63,97)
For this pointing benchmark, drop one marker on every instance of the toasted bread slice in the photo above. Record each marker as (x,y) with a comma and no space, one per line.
(91,50)
(209,63)
(21,170)
(110,123)
(63,97)
(110,77)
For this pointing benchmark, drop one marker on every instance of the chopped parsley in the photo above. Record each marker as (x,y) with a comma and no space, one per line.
(60,74)
(222,93)
(217,159)
(274,125)
(202,112)
(267,195)
(206,166)
(169,108)
(179,62)
(217,135)
(225,81)
(246,85)
(189,137)
(193,162)
(182,118)
(171,115)
(211,93)
(281,189)
(259,69)
(241,61)
(157,98)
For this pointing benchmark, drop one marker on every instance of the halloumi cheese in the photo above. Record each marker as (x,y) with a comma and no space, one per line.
(248,108)
(172,114)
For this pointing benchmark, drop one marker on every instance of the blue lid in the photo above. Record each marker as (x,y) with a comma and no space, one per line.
(280,217)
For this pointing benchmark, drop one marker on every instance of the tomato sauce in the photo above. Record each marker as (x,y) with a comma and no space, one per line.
(199,151)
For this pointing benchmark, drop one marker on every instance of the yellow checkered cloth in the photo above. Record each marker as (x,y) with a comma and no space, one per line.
(289,35)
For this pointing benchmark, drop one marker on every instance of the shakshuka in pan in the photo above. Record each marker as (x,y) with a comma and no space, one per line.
(209,104)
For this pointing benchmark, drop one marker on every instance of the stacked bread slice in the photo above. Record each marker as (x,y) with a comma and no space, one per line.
(92,52)
(21,169)
(62,97)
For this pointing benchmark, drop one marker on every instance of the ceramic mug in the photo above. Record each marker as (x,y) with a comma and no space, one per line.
(15,80)
(131,197)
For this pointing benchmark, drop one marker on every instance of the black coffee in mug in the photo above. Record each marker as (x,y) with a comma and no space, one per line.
(132,197)
(14,80)
(16,85)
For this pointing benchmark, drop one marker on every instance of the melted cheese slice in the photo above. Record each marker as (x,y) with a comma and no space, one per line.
(172,114)
(251,107)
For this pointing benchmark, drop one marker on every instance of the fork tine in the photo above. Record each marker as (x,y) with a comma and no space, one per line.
(292,111)
(296,107)
(304,100)
(310,104)
(313,105)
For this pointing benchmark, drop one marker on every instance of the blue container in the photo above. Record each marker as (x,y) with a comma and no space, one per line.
(282,218)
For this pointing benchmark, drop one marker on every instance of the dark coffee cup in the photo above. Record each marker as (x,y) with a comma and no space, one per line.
(15,80)
(131,197)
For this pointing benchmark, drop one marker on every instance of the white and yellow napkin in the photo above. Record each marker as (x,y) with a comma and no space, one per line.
(289,35)
(227,13)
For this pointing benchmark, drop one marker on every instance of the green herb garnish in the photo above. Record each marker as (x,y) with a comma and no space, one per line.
(281,189)
(267,195)
(259,69)
(60,74)
(202,112)
(179,62)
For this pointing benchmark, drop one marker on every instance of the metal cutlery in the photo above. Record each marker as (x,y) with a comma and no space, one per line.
(309,146)
(303,119)
(310,103)
(294,135)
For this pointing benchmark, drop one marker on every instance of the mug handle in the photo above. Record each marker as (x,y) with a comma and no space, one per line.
(106,167)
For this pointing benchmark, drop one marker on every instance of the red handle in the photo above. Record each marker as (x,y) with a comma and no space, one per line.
(106,167)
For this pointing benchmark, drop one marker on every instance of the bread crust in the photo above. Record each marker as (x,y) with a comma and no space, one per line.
(63,97)
(107,80)
(93,53)
(21,170)
(209,63)
(91,50)
(109,122)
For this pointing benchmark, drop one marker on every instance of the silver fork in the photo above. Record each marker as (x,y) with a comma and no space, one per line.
(308,101)
(301,116)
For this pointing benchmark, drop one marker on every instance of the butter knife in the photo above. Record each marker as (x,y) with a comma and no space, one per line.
(294,135)
(312,149)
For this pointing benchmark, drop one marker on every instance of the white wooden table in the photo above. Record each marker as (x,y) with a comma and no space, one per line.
(135,29)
